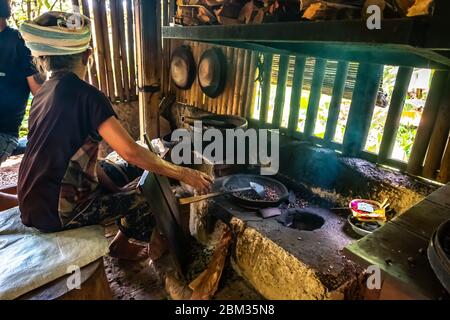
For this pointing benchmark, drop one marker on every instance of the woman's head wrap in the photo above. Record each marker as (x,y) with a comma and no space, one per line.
(57,34)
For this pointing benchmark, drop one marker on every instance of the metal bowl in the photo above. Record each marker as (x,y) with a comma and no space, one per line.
(362,230)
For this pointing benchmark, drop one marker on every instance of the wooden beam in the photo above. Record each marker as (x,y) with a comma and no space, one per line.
(361,110)
(297,86)
(314,97)
(238,80)
(439,136)
(265,88)
(281,91)
(395,112)
(149,64)
(250,94)
(427,122)
(336,100)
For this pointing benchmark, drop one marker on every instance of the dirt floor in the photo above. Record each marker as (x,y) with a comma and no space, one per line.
(9,171)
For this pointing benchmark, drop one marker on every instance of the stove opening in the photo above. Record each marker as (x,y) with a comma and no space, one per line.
(307,221)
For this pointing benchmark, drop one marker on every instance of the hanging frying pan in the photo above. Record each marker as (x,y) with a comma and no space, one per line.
(212,72)
(182,67)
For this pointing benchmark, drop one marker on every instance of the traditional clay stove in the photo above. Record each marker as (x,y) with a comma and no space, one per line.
(303,257)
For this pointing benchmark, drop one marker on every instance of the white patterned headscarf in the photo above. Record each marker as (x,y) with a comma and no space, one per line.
(56,34)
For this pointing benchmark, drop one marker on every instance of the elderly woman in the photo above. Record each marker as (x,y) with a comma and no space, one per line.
(60,181)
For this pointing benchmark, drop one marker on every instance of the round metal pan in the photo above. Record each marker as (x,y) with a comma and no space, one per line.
(243,180)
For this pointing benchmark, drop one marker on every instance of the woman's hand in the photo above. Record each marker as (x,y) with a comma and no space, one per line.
(197,179)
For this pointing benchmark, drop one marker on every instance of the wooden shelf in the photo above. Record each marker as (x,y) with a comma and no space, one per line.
(403,42)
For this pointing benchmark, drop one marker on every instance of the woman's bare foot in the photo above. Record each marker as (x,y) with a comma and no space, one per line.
(121,248)
(157,246)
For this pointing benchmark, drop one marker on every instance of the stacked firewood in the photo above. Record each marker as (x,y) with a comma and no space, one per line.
(200,12)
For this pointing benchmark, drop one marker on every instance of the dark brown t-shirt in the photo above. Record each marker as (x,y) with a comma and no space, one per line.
(58,167)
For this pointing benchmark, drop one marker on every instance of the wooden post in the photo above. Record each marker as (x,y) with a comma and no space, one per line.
(314,97)
(336,100)
(361,109)
(395,112)
(148,34)
(439,136)
(281,91)
(297,86)
(427,121)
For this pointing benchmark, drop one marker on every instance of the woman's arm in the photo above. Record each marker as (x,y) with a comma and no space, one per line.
(119,139)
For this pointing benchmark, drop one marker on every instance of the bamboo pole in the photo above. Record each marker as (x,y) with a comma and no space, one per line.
(238,78)
(93,69)
(232,79)
(222,97)
(193,90)
(439,136)
(123,50)
(200,50)
(244,83)
(250,93)
(131,50)
(106,44)
(114,15)
(195,85)
(100,47)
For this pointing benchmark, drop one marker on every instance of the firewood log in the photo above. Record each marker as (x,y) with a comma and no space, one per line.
(420,8)
(206,284)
